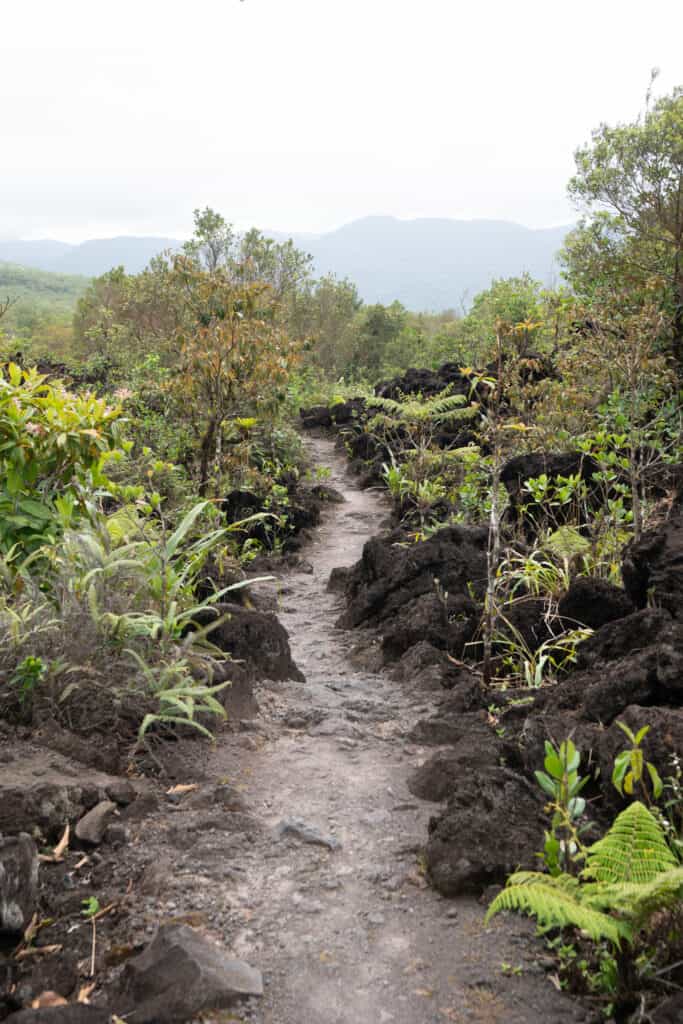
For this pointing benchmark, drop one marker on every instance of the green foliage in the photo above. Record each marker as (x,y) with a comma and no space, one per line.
(563,849)
(634,851)
(629,180)
(27,676)
(41,308)
(91,907)
(630,767)
(630,875)
(53,447)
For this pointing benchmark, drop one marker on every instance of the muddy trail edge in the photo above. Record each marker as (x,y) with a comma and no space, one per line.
(318,883)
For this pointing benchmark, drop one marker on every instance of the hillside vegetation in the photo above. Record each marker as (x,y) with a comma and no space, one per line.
(42,306)
(426,264)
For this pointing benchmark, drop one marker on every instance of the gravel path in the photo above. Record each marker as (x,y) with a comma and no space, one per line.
(318,881)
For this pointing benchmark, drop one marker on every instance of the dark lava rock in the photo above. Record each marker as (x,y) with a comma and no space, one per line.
(44,805)
(439,777)
(338,580)
(394,587)
(18,882)
(623,637)
(75,1013)
(257,638)
(424,666)
(634,660)
(654,676)
(653,568)
(316,416)
(450,723)
(594,602)
(426,382)
(521,468)
(181,974)
(493,824)
(328,494)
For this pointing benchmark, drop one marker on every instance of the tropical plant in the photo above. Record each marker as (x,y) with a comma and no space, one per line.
(630,768)
(53,447)
(630,878)
(560,781)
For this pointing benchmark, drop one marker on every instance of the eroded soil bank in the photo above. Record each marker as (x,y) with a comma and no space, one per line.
(298,848)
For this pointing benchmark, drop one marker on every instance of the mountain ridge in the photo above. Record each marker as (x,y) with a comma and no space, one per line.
(428,263)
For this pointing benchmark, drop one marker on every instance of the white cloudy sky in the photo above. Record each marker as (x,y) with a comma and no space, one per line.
(304,114)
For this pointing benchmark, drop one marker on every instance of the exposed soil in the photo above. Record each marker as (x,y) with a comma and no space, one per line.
(300,848)
(351,934)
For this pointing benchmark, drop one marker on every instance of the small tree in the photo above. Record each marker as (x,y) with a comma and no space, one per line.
(235,358)
(629,182)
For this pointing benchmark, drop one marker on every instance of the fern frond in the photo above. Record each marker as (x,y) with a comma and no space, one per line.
(634,849)
(556,903)
(439,408)
(636,900)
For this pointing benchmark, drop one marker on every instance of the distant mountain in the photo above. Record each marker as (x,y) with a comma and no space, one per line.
(427,264)
(90,258)
(433,264)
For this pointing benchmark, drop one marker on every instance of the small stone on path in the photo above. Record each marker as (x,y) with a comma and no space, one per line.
(306,833)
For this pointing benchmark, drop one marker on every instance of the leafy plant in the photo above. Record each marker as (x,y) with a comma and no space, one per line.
(630,767)
(53,446)
(630,875)
(561,782)
(27,676)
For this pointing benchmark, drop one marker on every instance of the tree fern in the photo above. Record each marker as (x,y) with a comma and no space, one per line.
(634,849)
(630,874)
(636,901)
(439,409)
(557,902)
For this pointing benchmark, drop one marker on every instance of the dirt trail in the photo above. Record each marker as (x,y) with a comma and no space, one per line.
(349,935)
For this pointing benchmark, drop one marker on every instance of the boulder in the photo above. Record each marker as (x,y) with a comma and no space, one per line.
(653,567)
(122,792)
(419,592)
(452,722)
(18,882)
(256,638)
(179,976)
(493,824)
(623,637)
(426,382)
(44,805)
(594,602)
(316,416)
(91,827)
(477,750)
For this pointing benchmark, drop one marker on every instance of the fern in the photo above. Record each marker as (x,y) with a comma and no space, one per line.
(440,409)
(634,849)
(630,874)
(557,902)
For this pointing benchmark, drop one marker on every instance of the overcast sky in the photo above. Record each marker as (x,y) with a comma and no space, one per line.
(305,114)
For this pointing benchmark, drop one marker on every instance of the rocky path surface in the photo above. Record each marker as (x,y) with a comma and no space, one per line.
(315,876)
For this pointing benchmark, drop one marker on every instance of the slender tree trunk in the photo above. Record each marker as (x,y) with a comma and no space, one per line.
(492,560)
(206,450)
(636,505)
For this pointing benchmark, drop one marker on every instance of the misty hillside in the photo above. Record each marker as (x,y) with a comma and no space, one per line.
(90,258)
(433,263)
(426,264)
